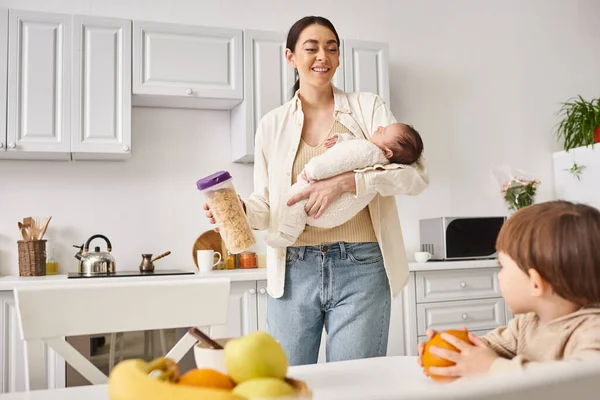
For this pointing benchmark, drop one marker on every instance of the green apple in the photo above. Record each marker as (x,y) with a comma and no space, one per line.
(256,355)
(263,388)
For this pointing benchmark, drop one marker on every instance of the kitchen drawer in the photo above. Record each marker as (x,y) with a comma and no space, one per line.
(462,284)
(475,315)
(477,333)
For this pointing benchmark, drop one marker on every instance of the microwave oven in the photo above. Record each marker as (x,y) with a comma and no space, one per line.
(460,238)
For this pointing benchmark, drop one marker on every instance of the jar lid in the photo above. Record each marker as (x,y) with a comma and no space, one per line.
(212,180)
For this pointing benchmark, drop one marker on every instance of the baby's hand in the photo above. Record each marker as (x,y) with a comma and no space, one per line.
(330,142)
(421,347)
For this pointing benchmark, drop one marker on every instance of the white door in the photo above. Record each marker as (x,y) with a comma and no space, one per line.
(3,76)
(268,82)
(101,95)
(366,68)
(241,312)
(39,73)
(261,314)
(176,60)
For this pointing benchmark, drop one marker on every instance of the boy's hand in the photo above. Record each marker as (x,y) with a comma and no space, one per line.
(421,347)
(473,359)
(330,142)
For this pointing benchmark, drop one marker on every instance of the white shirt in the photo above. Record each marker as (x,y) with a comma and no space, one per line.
(276,143)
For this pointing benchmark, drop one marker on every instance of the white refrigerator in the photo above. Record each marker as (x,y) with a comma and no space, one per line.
(577,175)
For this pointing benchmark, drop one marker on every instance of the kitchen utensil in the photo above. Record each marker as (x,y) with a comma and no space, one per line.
(96,262)
(209,240)
(24,231)
(206,259)
(43,227)
(147,264)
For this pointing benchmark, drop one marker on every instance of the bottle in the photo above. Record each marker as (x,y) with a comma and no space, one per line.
(51,263)
(230,261)
(248,260)
(227,210)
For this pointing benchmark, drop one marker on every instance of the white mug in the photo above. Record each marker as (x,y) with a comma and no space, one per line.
(422,256)
(206,259)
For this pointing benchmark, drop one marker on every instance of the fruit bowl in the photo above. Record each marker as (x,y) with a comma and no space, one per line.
(248,368)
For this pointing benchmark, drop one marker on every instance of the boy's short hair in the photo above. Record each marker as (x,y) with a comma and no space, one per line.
(407,148)
(561,241)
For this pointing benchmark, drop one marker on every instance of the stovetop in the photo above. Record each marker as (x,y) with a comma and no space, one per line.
(133,273)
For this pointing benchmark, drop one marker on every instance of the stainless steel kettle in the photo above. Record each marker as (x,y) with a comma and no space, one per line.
(96,262)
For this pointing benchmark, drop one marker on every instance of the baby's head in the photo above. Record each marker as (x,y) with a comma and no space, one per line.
(401,143)
(549,251)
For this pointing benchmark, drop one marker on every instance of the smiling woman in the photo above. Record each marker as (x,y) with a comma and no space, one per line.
(341,278)
(310,34)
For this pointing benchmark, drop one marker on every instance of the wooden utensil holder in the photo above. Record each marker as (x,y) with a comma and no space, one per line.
(32,257)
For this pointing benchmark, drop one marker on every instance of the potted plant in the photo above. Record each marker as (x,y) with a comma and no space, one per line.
(580,124)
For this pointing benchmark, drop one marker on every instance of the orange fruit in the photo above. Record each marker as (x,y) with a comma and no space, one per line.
(431,360)
(206,377)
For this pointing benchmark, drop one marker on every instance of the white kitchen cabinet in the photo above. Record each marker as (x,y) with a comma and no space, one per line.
(186,66)
(450,299)
(268,82)
(3,76)
(242,311)
(39,83)
(366,67)
(261,313)
(101,95)
(338,77)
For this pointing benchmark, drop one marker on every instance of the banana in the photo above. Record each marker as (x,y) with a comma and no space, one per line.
(139,380)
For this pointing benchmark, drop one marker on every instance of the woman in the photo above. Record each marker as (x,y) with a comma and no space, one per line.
(345,277)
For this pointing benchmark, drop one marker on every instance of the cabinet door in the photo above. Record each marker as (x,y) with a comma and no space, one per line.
(268,82)
(12,349)
(39,72)
(101,88)
(366,68)
(173,65)
(241,313)
(261,314)
(3,76)
(338,77)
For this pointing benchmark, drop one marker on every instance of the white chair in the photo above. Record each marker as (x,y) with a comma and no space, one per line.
(51,313)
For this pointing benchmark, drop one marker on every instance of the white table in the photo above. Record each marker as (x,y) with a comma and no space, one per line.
(347,380)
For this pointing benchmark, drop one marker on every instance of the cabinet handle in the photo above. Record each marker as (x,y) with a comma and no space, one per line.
(12,145)
(125,148)
(262,291)
(465,316)
(463,284)
(189,91)
(252,291)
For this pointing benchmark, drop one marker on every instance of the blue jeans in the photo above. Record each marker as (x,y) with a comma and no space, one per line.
(341,286)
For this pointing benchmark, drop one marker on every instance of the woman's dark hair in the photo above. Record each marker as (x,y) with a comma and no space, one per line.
(296,30)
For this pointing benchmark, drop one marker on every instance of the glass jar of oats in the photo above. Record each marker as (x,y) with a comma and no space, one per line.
(227,210)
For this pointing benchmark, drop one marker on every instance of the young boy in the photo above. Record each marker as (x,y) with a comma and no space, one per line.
(395,146)
(549,278)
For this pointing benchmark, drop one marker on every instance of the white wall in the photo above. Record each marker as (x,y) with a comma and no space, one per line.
(481,80)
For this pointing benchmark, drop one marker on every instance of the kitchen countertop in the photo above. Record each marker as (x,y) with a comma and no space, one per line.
(256,274)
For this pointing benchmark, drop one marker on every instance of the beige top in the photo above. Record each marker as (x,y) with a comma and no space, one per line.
(356,230)
(276,144)
(526,342)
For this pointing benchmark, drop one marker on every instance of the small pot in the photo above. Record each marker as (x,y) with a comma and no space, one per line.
(597,135)
(147,264)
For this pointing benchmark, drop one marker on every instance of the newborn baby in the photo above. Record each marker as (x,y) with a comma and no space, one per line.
(397,143)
